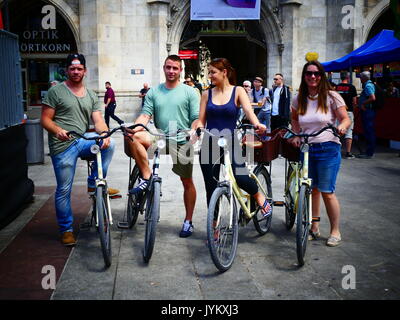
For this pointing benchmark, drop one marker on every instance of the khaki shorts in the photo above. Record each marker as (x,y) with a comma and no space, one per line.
(182,158)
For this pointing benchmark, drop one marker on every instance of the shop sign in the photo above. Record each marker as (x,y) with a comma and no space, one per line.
(48,34)
(188,54)
(225,9)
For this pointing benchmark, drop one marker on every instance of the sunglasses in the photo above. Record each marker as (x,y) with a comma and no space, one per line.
(276,79)
(246,85)
(315,73)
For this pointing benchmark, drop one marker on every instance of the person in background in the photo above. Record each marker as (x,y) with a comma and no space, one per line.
(280,97)
(109,105)
(143,92)
(189,81)
(69,106)
(261,97)
(312,109)
(349,95)
(392,91)
(368,114)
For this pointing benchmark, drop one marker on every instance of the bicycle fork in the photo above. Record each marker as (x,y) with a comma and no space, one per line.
(100,181)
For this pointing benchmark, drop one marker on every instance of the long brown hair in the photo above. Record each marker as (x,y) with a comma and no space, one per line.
(223,63)
(322,90)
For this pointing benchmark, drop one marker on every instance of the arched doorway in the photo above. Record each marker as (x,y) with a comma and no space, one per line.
(385,21)
(241,42)
(45,39)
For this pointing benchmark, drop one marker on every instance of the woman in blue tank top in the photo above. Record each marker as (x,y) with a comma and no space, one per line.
(218,113)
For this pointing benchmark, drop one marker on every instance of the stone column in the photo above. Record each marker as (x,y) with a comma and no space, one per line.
(159,29)
(289,47)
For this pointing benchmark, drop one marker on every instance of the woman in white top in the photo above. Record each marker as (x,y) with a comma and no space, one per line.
(312,109)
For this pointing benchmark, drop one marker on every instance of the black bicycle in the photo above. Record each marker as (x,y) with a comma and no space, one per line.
(147,202)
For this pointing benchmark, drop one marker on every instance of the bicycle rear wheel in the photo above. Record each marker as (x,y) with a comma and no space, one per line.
(151,217)
(290,214)
(104,228)
(222,229)
(261,223)
(302,223)
(132,210)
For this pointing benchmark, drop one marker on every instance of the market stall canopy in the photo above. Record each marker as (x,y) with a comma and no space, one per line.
(384,47)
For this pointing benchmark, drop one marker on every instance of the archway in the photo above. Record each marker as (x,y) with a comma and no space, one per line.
(241,42)
(268,26)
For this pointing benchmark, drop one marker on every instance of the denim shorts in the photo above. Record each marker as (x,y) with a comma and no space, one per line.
(323,165)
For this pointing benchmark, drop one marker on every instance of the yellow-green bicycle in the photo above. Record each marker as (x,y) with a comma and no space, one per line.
(223,218)
(298,190)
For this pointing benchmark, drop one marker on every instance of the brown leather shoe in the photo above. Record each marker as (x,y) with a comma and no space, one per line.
(68,239)
(111,191)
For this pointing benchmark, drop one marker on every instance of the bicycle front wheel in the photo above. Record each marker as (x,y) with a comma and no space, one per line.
(222,228)
(290,214)
(261,223)
(302,223)
(132,210)
(104,227)
(151,218)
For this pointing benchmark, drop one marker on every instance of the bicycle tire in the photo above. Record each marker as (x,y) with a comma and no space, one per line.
(227,237)
(132,210)
(151,217)
(104,228)
(302,223)
(290,214)
(262,224)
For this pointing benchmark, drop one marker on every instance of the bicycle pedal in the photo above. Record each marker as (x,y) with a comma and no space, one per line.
(115,196)
(123,225)
(279,203)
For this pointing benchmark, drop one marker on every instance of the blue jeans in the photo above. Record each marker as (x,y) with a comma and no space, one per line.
(265,119)
(368,122)
(64,164)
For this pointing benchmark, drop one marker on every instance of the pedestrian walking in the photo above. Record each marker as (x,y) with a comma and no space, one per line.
(110,105)
(261,97)
(143,92)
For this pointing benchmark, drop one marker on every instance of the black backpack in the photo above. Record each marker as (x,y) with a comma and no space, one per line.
(379,98)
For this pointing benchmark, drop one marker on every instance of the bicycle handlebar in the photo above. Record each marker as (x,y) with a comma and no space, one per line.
(305,135)
(124,131)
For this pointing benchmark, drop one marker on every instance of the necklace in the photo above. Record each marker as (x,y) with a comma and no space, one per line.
(314,97)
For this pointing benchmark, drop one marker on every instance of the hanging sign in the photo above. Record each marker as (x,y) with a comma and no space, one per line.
(188,54)
(225,9)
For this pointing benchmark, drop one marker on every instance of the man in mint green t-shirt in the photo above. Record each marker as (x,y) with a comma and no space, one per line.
(173,106)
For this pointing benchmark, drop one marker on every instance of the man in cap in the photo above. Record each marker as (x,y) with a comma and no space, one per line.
(66,107)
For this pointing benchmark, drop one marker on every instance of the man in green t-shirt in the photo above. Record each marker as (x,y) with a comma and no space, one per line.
(173,106)
(69,106)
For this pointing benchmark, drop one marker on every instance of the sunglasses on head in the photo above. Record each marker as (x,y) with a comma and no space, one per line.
(315,73)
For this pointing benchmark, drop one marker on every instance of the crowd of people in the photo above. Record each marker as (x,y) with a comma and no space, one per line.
(70,105)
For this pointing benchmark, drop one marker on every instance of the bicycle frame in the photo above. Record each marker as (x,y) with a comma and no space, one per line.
(100,181)
(229,179)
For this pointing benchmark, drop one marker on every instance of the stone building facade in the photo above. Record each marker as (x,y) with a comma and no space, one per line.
(126,41)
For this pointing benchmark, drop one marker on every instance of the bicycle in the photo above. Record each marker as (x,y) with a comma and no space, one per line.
(147,202)
(101,209)
(297,192)
(222,216)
